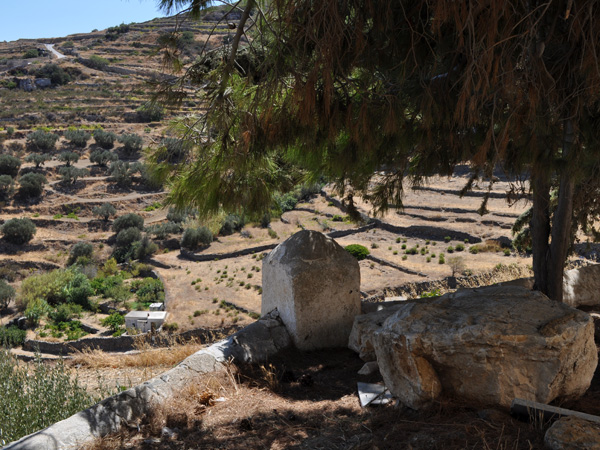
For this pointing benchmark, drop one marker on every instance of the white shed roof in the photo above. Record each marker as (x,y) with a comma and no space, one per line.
(146,315)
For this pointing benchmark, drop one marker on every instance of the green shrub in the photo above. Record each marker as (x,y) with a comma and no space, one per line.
(450,249)
(170,327)
(40,140)
(31,53)
(6,186)
(114,322)
(150,112)
(149,290)
(128,221)
(474,249)
(10,131)
(162,231)
(360,252)
(459,247)
(35,310)
(78,138)
(132,143)
(37,159)
(104,139)
(31,185)
(33,397)
(103,157)
(56,287)
(172,150)
(96,62)
(7,294)
(180,215)
(231,224)
(144,248)
(62,313)
(11,337)
(447,238)
(57,75)
(80,249)
(126,237)
(104,211)
(18,231)
(506,252)
(122,172)
(193,237)
(70,175)
(9,165)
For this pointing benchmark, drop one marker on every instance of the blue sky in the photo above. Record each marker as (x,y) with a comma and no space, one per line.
(36,19)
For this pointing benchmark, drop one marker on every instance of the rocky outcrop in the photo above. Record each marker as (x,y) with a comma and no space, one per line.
(489,345)
(573,433)
(315,286)
(581,287)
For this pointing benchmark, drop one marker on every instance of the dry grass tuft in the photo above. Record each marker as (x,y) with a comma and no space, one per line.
(146,355)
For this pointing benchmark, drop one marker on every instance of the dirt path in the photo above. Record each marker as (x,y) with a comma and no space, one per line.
(50,48)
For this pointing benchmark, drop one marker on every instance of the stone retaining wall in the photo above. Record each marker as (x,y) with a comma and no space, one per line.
(123,343)
(253,344)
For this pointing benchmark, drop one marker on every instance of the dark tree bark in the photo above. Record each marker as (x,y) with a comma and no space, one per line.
(562,221)
(540,228)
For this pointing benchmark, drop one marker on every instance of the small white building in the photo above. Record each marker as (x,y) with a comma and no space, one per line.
(157,307)
(145,321)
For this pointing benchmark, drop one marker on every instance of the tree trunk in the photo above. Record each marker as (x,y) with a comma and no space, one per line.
(563,220)
(540,228)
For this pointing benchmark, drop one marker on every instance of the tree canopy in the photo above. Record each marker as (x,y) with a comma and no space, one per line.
(369,94)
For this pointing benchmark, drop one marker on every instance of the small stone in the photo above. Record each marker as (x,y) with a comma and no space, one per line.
(369,368)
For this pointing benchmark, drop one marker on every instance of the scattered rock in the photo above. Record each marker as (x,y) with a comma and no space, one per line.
(43,83)
(573,433)
(487,344)
(315,286)
(369,368)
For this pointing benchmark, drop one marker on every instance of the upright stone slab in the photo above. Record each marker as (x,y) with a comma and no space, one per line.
(315,285)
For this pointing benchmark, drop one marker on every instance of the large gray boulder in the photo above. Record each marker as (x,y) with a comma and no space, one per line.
(315,286)
(489,345)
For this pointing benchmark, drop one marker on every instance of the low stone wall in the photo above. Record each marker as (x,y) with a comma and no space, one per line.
(253,344)
(124,343)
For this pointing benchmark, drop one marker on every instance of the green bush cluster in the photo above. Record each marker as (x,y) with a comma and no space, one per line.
(150,112)
(231,224)
(70,174)
(9,165)
(103,157)
(195,237)
(132,143)
(149,290)
(360,252)
(80,250)
(38,159)
(68,158)
(57,75)
(12,337)
(6,187)
(36,396)
(96,62)
(31,185)
(122,172)
(57,287)
(128,221)
(78,138)
(104,139)
(162,231)
(41,140)
(7,294)
(104,211)
(18,231)
(180,215)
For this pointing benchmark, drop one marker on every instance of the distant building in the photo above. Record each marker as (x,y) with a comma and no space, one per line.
(145,321)
(157,306)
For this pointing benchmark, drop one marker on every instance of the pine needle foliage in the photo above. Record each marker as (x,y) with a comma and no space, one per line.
(371,94)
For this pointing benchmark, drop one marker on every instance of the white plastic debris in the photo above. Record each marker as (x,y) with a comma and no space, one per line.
(373,394)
